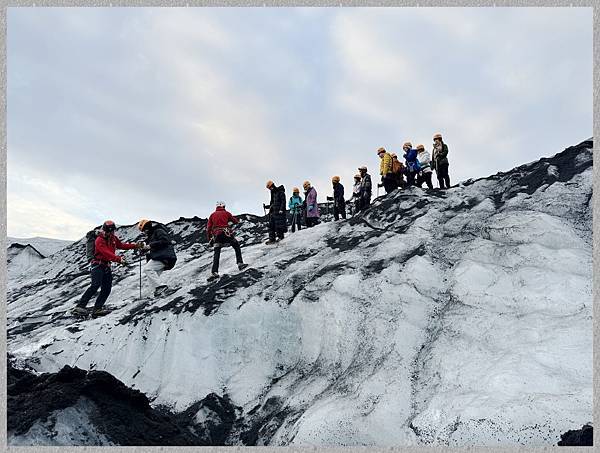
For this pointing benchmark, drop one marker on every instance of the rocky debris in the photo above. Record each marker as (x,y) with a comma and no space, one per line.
(578,437)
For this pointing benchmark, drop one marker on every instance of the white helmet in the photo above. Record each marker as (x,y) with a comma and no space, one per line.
(220,204)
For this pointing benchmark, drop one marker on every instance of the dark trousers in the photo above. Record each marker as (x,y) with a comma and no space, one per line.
(410,178)
(275,227)
(311,221)
(101,279)
(339,207)
(220,241)
(389,184)
(443,177)
(424,178)
(296,220)
(365,202)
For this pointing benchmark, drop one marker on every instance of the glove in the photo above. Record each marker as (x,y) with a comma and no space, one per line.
(141,245)
(123,261)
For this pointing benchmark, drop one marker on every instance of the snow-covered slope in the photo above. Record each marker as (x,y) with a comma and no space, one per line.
(20,257)
(461,317)
(46,246)
(25,253)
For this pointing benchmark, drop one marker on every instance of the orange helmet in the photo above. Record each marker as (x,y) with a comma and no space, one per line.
(335,179)
(142,223)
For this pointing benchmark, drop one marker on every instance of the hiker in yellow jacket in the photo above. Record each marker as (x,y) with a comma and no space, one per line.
(386,170)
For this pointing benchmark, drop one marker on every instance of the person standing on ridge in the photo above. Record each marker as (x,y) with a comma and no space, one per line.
(277,216)
(339,204)
(398,171)
(365,188)
(385,170)
(412,164)
(295,205)
(161,254)
(105,246)
(219,233)
(425,174)
(312,207)
(356,197)
(439,161)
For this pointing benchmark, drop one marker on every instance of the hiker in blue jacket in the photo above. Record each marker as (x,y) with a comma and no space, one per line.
(295,206)
(412,164)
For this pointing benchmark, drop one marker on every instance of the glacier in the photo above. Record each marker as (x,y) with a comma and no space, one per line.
(459,317)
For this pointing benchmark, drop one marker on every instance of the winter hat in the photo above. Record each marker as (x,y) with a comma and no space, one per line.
(142,223)
(420,148)
(269,184)
(296,190)
(381,150)
(220,204)
(407,144)
(109,226)
(335,179)
(362,168)
(394,156)
(306,185)
(437,136)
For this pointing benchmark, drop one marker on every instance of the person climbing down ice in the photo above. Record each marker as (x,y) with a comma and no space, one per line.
(398,171)
(220,234)
(412,164)
(339,204)
(312,206)
(277,217)
(385,170)
(356,196)
(105,246)
(425,173)
(439,161)
(365,188)
(295,206)
(161,254)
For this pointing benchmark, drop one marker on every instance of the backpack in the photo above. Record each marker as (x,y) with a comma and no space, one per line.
(90,244)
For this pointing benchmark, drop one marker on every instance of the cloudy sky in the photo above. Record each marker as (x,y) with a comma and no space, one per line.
(129,113)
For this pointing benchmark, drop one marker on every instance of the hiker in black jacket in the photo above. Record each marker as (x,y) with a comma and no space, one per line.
(365,188)
(277,218)
(339,204)
(161,254)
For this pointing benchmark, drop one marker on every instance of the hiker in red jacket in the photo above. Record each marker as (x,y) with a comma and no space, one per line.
(218,232)
(105,246)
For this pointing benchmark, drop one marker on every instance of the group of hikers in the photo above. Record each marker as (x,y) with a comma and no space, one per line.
(158,246)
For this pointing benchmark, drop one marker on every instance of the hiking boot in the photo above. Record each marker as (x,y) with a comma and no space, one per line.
(271,242)
(242,266)
(80,311)
(160,290)
(213,276)
(100,312)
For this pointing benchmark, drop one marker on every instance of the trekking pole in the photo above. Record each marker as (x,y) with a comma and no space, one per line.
(140,260)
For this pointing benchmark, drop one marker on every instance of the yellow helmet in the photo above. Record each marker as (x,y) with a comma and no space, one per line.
(306,184)
(142,223)
(269,184)
(335,179)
